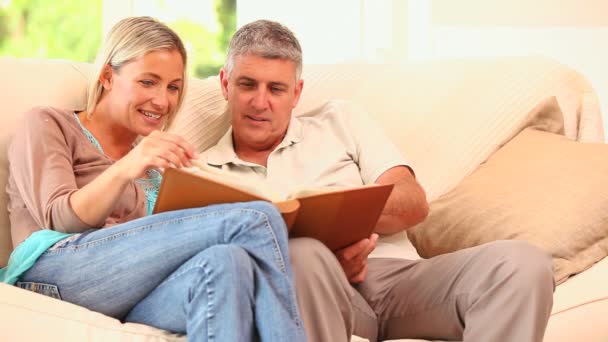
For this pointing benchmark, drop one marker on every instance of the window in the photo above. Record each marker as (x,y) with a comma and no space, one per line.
(67,29)
(73,29)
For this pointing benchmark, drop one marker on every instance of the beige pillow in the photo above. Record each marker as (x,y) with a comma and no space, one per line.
(203,119)
(541,188)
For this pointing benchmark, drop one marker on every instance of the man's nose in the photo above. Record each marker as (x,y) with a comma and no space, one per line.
(260,100)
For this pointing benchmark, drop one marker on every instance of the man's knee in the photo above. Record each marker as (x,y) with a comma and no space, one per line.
(521,263)
(314,264)
(324,293)
(310,254)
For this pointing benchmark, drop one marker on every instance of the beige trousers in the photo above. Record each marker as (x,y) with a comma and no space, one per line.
(500,291)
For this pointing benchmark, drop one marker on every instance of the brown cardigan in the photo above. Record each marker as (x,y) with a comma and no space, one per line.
(49,159)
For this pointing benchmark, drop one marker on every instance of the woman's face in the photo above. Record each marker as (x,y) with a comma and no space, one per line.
(144,93)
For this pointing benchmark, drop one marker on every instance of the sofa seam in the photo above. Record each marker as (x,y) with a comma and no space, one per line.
(78,70)
(580,305)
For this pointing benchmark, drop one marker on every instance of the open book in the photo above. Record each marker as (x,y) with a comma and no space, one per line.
(336,216)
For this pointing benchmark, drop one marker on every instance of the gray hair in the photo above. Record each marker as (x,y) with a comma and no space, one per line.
(128,40)
(267,39)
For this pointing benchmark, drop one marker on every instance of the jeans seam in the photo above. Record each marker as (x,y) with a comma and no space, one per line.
(138,229)
(210,303)
(281,263)
(275,243)
(204,267)
(133,230)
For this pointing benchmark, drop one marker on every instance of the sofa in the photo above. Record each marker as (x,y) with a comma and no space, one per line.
(447,117)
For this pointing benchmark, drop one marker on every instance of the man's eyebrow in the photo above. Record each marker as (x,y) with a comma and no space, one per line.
(280,84)
(272,83)
(245,78)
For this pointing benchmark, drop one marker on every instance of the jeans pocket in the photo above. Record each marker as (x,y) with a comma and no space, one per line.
(44,289)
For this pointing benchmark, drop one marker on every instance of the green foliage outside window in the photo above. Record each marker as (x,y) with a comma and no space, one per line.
(68,29)
(71,29)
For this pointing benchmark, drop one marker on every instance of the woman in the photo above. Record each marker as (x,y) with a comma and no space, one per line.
(79,190)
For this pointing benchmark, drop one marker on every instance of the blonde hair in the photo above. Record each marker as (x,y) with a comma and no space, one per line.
(130,39)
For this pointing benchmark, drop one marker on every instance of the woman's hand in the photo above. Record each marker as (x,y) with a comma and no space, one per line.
(95,201)
(158,150)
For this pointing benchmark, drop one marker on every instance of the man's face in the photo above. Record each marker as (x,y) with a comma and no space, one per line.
(261,94)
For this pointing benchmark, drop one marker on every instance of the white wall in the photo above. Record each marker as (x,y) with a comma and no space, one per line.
(575,32)
(328,30)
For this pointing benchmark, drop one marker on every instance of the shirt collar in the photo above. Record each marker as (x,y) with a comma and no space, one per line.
(294,133)
(223,152)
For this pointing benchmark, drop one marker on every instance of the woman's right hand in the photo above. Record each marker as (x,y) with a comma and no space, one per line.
(158,150)
(95,201)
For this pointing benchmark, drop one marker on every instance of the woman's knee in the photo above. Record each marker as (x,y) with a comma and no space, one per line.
(266,213)
(228,261)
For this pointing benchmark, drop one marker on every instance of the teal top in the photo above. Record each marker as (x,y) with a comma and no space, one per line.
(26,254)
(150,185)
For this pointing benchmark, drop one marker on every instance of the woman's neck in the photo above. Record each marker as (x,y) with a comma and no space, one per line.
(115,140)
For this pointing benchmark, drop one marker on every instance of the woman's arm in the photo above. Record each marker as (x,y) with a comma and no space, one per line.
(40,159)
(95,201)
(42,167)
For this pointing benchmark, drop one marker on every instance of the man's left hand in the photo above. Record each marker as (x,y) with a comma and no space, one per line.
(353,258)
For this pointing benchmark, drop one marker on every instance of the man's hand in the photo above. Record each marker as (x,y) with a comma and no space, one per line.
(354,258)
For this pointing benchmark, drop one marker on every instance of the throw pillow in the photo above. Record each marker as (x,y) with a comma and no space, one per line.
(540,187)
(203,119)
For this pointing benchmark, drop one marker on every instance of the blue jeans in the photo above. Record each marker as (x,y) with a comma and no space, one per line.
(219,273)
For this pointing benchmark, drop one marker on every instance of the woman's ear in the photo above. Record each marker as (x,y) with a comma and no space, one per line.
(105,78)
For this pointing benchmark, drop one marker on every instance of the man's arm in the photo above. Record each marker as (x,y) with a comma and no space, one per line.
(406,206)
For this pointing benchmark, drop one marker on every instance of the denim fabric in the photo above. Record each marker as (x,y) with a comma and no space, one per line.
(25,255)
(219,273)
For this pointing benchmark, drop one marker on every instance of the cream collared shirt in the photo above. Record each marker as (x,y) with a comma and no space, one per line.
(335,145)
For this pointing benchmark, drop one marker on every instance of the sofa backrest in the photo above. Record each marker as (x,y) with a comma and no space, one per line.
(426,108)
(445,116)
(26,83)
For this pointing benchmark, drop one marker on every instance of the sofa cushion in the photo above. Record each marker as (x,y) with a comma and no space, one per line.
(539,187)
(21,310)
(33,82)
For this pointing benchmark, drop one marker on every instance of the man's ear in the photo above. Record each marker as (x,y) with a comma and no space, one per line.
(224,83)
(105,77)
(297,92)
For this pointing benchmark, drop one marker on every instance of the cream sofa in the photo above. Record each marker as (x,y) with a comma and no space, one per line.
(446,116)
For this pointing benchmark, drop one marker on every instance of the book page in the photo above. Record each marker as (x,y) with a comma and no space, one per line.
(260,188)
(311,191)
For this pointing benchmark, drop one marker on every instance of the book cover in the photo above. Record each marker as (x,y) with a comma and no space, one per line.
(337,217)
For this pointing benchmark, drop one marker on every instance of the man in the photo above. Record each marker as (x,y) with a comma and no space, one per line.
(496,292)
